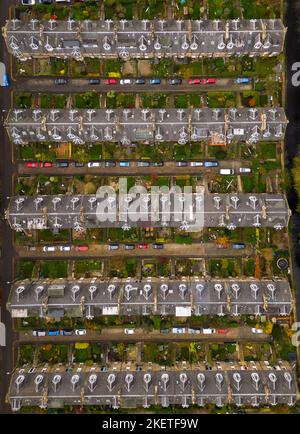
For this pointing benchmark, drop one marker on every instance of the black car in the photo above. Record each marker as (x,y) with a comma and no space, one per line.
(157,246)
(140,81)
(181,163)
(78,164)
(60,81)
(110,164)
(62,164)
(67,332)
(174,81)
(129,246)
(94,81)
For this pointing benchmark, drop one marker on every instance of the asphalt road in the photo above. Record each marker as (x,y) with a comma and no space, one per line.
(240,334)
(169,169)
(195,250)
(75,85)
(7,271)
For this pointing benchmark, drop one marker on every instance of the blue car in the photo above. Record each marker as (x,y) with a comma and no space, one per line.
(53,333)
(243,80)
(211,163)
(5,80)
(124,164)
(154,81)
(238,246)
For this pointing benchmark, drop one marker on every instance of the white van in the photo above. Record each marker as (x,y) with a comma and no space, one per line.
(226,171)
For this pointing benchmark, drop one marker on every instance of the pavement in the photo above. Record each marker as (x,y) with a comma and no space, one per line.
(195,250)
(76,85)
(7,269)
(169,169)
(240,334)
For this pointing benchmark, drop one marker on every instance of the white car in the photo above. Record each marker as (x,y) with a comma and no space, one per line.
(28,2)
(65,248)
(38,333)
(128,331)
(49,249)
(256,331)
(245,170)
(94,164)
(208,331)
(80,332)
(196,163)
(125,81)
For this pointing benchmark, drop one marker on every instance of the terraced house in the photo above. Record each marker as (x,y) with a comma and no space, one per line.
(143,39)
(260,384)
(155,296)
(126,126)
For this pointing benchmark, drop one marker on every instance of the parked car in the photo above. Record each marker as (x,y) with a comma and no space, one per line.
(113,246)
(129,331)
(39,333)
(209,163)
(154,81)
(245,170)
(194,81)
(82,248)
(238,246)
(6,80)
(140,81)
(243,80)
(256,331)
(125,81)
(129,246)
(49,248)
(65,248)
(124,163)
(94,81)
(196,163)
(94,164)
(182,163)
(226,171)
(61,81)
(208,331)
(79,164)
(32,164)
(46,164)
(143,246)
(208,80)
(158,164)
(53,332)
(111,81)
(110,164)
(143,163)
(80,332)
(175,81)
(178,330)
(157,246)
(67,332)
(62,164)
(222,331)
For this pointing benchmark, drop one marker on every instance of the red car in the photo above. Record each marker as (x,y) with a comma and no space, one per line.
(46,164)
(82,248)
(194,81)
(142,246)
(111,81)
(31,164)
(209,80)
(223,331)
